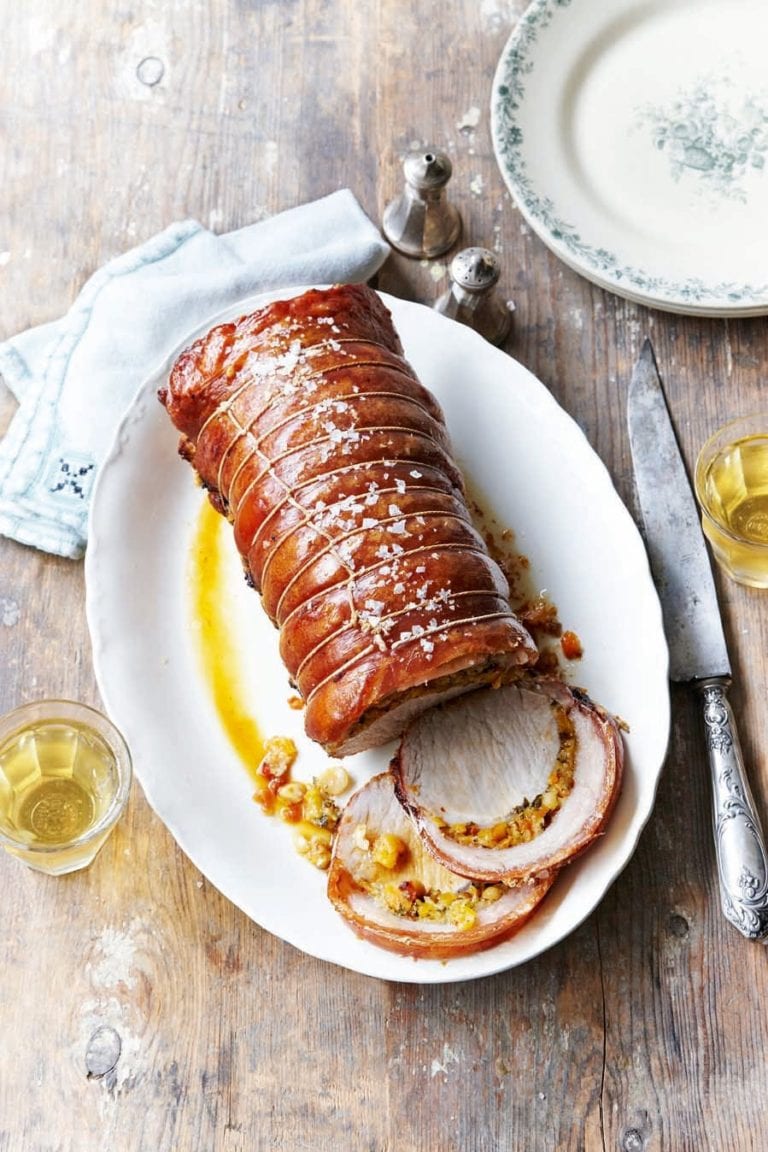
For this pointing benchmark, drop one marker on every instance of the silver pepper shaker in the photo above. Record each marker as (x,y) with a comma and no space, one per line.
(421,221)
(471,298)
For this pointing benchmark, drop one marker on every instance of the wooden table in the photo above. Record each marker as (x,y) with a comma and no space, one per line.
(644,1029)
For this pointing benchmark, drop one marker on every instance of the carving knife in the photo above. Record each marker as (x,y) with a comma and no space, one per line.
(697,649)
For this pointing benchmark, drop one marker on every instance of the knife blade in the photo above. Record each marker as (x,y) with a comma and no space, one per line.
(698,652)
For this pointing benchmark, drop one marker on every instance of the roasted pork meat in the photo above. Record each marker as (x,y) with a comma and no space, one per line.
(511,784)
(312,434)
(392,892)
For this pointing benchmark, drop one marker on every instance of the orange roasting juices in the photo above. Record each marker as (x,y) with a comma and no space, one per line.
(217,645)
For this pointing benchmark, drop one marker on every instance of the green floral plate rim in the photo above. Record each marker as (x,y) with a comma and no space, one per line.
(693,294)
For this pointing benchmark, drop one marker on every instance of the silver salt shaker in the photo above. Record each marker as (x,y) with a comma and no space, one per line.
(422,221)
(471,299)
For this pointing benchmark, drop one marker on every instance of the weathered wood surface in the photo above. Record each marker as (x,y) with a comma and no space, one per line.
(645,1029)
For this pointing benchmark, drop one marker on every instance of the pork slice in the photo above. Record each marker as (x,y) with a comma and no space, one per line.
(413,904)
(511,782)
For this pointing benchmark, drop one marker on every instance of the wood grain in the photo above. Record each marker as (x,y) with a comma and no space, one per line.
(645,1029)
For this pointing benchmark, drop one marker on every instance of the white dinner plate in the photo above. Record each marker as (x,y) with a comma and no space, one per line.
(633,136)
(536,472)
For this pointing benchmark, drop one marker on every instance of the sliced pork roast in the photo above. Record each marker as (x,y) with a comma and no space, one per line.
(394,893)
(509,783)
(315,438)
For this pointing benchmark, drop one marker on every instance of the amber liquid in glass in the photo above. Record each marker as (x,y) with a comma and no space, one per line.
(57,782)
(736,496)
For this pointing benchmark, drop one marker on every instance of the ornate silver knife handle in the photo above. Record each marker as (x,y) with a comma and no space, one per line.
(742,860)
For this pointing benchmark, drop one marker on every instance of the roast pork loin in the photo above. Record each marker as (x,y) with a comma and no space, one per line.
(513,783)
(315,438)
(392,892)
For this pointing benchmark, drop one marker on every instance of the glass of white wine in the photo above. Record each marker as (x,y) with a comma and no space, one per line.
(731,483)
(65,775)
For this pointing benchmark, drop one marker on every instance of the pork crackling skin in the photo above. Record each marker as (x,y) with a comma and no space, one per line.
(314,437)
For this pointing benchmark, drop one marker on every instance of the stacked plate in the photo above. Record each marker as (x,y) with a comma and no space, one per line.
(633,137)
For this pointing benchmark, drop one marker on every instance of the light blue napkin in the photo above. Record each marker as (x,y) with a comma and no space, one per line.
(75,377)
